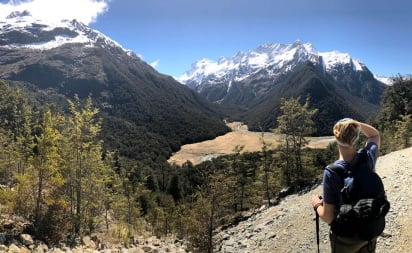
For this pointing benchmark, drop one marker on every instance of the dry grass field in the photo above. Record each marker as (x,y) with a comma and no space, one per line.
(225,144)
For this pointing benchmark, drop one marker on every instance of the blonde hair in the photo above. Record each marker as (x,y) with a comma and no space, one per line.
(346,132)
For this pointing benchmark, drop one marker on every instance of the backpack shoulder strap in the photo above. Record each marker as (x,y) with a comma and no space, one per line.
(344,175)
(340,170)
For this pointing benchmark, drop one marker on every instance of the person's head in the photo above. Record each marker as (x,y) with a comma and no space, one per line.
(346,132)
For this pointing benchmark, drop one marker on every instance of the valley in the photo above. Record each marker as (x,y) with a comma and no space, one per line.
(239,136)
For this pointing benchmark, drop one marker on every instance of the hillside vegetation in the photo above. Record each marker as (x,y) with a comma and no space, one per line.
(335,98)
(146,115)
(58,175)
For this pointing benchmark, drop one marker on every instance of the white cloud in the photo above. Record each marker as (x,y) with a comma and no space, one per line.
(155,63)
(85,11)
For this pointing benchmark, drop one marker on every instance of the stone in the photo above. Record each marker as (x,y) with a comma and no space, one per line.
(41,248)
(88,243)
(13,248)
(2,238)
(26,239)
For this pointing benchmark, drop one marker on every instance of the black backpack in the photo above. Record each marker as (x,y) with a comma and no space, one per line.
(363,203)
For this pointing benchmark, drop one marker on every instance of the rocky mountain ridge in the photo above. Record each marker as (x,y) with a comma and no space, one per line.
(20,29)
(269,60)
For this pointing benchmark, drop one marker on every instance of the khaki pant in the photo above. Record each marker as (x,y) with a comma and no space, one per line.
(340,244)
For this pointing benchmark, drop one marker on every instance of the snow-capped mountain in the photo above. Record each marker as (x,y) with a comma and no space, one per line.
(251,84)
(56,61)
(384,79)
(273,59)
(69,58)
(21,30)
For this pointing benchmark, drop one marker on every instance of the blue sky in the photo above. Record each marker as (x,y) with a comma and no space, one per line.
(172,34)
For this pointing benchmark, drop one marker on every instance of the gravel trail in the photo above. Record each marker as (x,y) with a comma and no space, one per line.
(290,226)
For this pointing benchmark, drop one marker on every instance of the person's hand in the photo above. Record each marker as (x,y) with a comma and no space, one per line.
(316,201)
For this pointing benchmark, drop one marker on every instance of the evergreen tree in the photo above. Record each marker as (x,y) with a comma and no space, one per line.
(266,161)
(8,153)
(151,183)
(403,128)
(175,188)
(45,164)
(86,171)
(395,116)
(211,206)
(244,173)
(16,124)
(396,101)
(114,196)
(295,123)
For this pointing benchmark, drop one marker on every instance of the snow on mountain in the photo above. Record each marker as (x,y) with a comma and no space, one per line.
(273,58)
(383,79)
(55,34)
(334,58)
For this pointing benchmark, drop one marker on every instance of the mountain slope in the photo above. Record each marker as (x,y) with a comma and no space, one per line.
(250,84)
(290,225)
(147,115)
(308,82)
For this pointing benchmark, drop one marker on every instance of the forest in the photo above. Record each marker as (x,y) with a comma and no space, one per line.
(56,172)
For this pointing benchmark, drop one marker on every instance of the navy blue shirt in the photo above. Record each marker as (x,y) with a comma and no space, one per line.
(332,183)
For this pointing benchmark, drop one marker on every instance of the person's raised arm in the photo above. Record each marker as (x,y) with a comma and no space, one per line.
(371,133)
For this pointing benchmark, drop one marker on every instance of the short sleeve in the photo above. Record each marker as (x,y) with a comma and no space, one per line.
(372,151)
(331,182)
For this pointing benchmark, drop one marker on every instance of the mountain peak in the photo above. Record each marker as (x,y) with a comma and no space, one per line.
(256,80)
(20,29)
(334,58)
(16,14)
(276,57)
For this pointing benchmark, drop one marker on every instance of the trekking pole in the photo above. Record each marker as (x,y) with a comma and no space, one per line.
(317,230)
(317,226)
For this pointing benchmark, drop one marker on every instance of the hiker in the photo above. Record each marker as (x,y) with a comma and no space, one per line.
(346,132)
